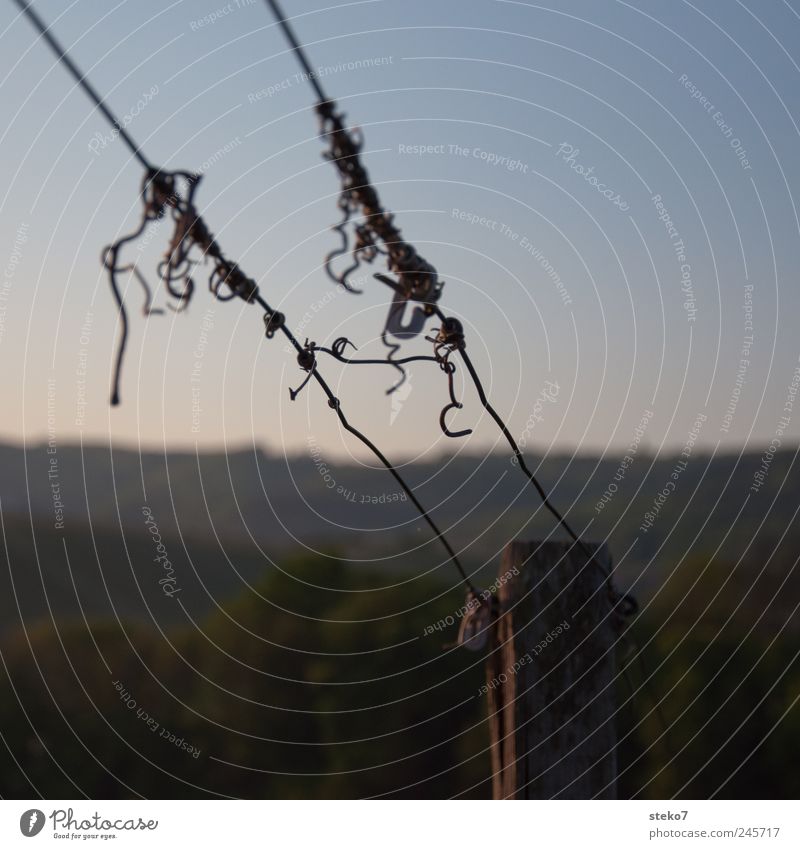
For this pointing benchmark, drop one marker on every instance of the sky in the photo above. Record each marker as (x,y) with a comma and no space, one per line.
(607,189)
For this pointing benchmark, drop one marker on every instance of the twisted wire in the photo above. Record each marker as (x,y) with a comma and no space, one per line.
(160,193)
(416,280)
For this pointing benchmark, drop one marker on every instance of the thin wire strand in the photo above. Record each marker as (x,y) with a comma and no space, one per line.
(629,605)
(347,161)
(283,21)
(336,352)
(515,449)
(304,61)
(333,402)
(196,232)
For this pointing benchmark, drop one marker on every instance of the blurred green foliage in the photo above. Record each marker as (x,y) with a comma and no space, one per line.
(311,684)
(307,685)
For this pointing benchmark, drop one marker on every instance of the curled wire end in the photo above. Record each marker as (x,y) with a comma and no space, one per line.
(123,336)
(338,346)
(158,193)
(121,345)
(394,327)
(148,308)
(341,229)
(109,259)
(449,338)
(450,368)
(453,434)
(182,298)
(392,389)
(293,393)
(273,322)
(341,278)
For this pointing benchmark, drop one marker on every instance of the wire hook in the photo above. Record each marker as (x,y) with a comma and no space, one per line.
(307,360)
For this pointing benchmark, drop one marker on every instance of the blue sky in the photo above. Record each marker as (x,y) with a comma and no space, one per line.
(599,186)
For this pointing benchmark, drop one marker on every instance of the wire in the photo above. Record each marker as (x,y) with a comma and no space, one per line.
(515,448)
(627,603)
(333,402)
(347,160)
(417,278)
(376,233)
(191,231)
(336,349)
(284,24)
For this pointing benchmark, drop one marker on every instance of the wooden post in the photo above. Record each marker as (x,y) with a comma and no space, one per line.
(551,675)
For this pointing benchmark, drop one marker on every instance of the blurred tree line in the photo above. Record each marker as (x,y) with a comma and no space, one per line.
(313,684)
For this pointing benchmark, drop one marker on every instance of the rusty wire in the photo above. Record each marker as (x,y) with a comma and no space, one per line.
(375,233)
(171,193)
(191,243)
(415,280)
(192,238)
(154,206)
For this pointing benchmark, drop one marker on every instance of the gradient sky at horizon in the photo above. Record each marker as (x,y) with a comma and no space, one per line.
(606,81)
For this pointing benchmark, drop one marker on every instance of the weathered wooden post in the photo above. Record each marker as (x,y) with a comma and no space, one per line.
(551,675)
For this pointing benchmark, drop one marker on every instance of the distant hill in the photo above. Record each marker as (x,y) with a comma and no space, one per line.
(227,519)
